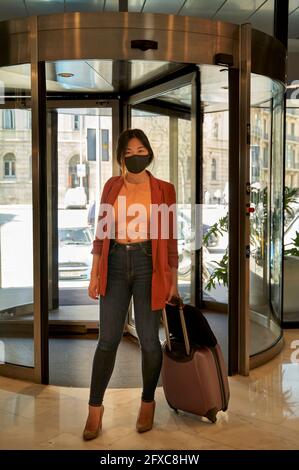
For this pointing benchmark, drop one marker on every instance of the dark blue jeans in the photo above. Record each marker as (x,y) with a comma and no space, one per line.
(129,274)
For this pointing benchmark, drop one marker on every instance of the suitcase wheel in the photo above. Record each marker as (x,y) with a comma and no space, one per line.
(175,409)
(212,415)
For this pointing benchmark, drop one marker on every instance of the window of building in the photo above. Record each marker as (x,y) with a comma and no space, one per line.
(8,119)
(255,162)
(266,156)
(292,128)
(215,130)
(30,166)
(73,178)
(258,120)
(290,157)
(105,145)
(9,161)
(29,120)
(213,169)
(76,123)
(91,145)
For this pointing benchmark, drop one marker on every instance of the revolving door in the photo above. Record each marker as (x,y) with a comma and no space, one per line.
(212,107)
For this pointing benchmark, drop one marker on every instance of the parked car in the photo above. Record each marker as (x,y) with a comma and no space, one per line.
(91,213)
(75,198)
(74,258)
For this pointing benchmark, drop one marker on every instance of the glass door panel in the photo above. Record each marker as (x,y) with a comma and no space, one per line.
(291,226)
(184,199)
(267,217)
(169,128)
(157,129)
(16,231)
(214,83)
(84,165)
(214,273)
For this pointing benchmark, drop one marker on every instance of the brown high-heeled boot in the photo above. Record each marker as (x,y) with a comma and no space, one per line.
(87,434)
(145,416)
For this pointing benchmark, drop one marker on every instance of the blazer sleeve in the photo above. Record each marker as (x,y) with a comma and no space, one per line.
(97,242)
(172,245)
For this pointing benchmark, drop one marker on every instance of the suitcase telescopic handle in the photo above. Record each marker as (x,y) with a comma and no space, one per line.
(179,301)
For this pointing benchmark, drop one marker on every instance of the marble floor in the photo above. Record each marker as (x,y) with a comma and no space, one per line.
(263,414)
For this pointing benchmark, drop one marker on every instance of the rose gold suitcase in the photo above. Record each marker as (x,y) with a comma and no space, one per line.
(194,377)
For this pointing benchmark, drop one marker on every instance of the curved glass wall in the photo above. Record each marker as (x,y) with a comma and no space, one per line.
(266,220)
(16,232)
(291,225)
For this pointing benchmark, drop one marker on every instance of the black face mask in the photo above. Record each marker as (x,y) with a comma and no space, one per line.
(137,163)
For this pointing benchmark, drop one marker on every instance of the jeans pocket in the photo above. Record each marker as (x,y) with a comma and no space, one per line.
(147,250)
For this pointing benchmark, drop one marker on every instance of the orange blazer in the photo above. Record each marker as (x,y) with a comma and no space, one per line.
(164,250)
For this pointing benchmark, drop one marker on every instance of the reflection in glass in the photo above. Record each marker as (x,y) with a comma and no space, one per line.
(103,75)
(84,165)
(16,232)
(276,229)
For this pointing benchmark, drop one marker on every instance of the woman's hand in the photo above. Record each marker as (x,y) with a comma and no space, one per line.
(173,293)
(93,288)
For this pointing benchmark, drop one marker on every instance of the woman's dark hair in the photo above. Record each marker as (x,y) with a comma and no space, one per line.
(123,141)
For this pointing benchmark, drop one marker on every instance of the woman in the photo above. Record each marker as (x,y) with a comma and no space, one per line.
(138,259)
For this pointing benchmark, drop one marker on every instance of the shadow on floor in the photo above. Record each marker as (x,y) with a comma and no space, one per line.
(71,359)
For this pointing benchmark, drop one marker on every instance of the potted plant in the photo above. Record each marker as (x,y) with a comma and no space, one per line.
(258,235)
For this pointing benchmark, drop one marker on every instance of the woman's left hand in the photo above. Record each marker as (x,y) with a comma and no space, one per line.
(173,293)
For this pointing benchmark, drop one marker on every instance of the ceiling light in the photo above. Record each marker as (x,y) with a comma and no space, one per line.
(65,74)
